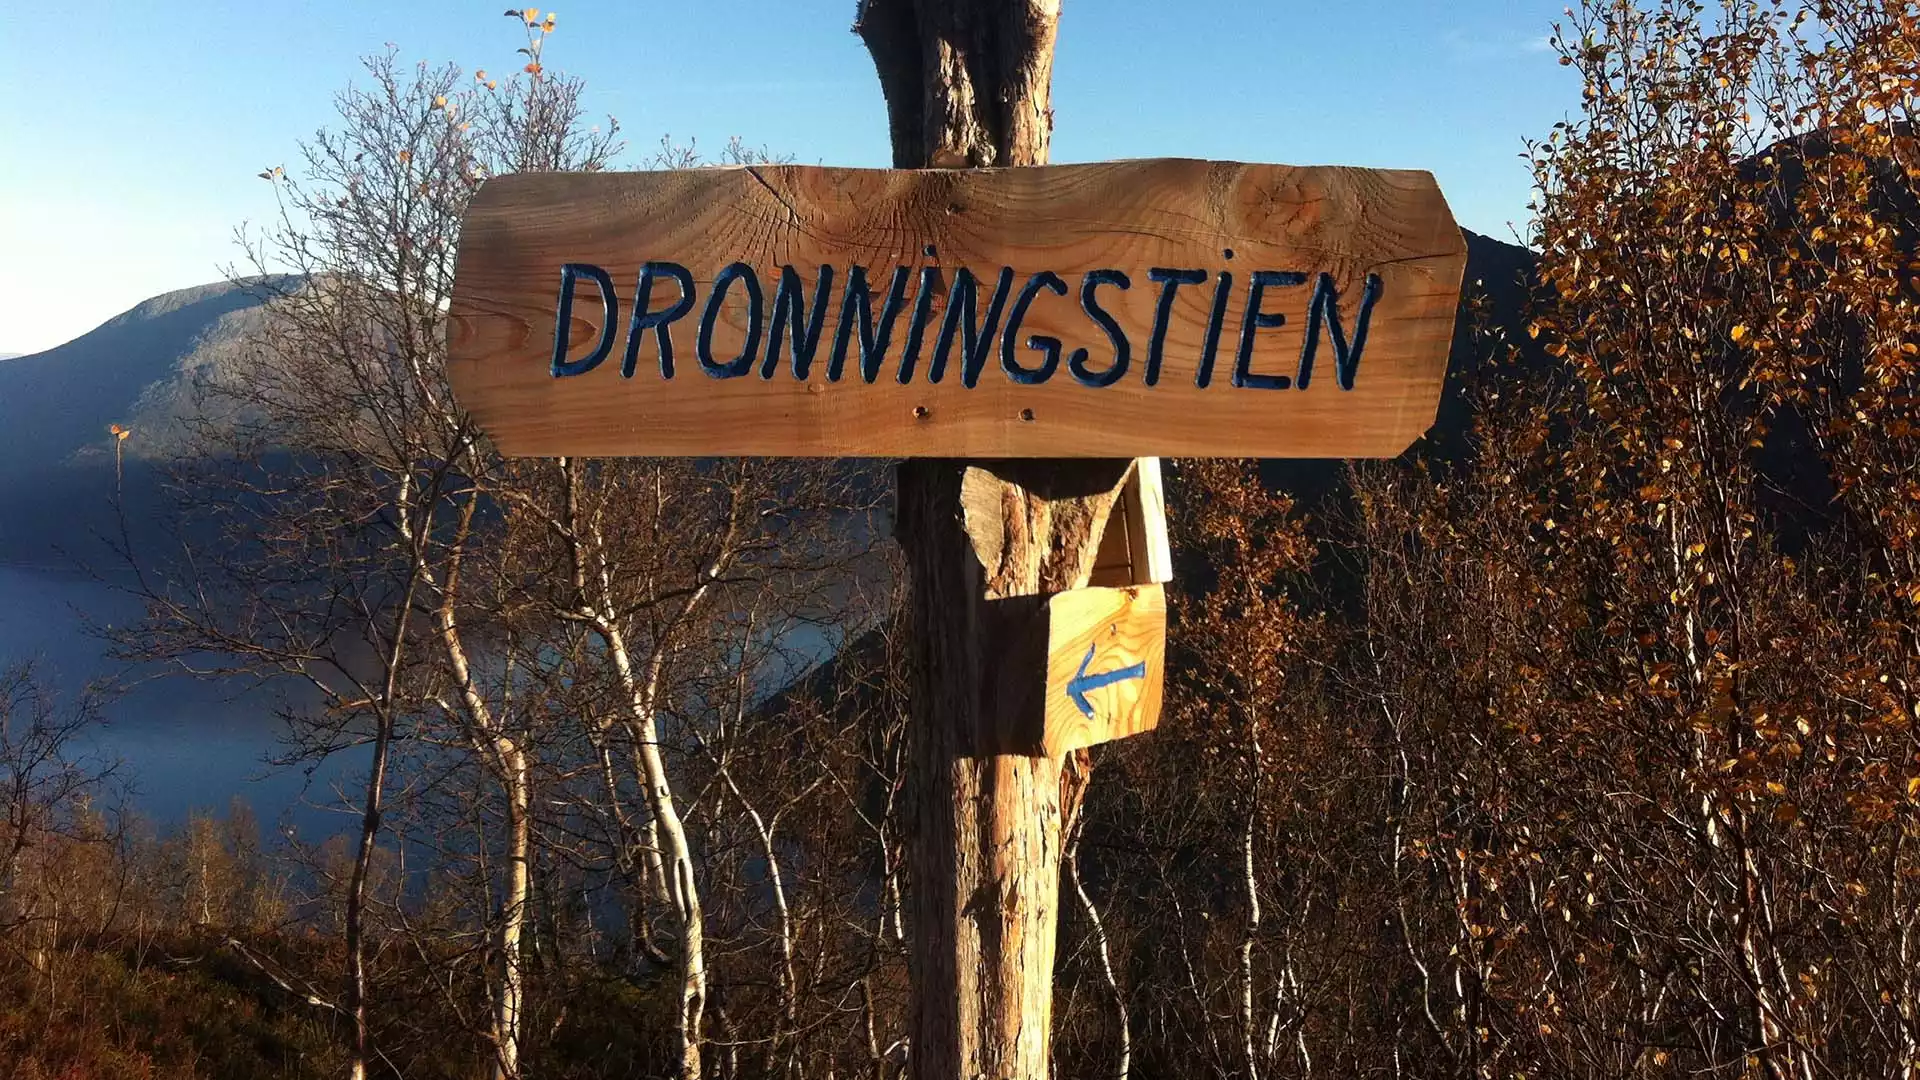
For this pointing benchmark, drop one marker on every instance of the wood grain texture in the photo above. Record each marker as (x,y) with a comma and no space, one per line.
(1122,628)
(1130,216)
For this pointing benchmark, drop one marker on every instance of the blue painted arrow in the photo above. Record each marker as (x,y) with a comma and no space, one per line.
(1082,683)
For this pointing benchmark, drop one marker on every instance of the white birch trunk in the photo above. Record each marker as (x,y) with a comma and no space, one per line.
(683,889)
(1124,1051)
(506,759)
(510,995)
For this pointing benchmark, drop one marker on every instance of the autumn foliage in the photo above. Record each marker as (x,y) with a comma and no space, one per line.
(1597,754)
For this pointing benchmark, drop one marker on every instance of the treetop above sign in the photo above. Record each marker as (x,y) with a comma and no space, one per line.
(1142,308)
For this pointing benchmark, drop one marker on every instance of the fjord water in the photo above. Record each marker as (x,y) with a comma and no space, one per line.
(183,744)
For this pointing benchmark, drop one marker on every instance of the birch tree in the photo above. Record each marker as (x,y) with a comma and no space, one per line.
(348,474)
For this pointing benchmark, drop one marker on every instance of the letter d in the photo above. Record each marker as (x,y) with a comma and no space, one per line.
(563,320)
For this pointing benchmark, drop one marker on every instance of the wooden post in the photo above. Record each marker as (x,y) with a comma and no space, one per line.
(984,850)
(968,83)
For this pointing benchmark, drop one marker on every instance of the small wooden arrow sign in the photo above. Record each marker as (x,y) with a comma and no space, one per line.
(1106,654)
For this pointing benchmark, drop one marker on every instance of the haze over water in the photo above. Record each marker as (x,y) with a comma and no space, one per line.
(184,744)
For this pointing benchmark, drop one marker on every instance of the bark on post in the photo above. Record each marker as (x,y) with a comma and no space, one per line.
(967,84)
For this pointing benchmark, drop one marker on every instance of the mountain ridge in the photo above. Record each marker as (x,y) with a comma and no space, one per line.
(139,369)
(56,404)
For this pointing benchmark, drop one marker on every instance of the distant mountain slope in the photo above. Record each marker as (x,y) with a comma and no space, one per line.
(138,369)
(55,405)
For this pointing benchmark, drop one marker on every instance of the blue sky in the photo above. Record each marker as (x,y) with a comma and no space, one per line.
(134,129)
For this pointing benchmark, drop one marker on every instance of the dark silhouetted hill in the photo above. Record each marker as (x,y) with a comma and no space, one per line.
(1502,274)
(137,369)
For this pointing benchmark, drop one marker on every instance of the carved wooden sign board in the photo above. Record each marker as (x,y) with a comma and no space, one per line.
(1160,307)
(1124,310)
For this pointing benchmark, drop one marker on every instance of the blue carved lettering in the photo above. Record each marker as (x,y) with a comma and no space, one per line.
(1041,343)
(873,342)
(789,310)
(1170,282)
(1325,308)
(1255,320)
(570,274)
(657,321)
(917,326)
(962,317)
(723,281)
(1122,349)
(1203,376)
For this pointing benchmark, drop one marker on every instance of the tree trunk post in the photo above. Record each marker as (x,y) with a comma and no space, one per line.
(985,543)
(967,84)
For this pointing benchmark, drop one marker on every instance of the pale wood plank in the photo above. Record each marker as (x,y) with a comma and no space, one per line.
(1122,628)
(1070,219)
(1150,555)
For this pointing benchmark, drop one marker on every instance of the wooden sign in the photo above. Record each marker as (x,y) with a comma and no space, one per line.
(1106,649)
(1164,307)
(1073,669)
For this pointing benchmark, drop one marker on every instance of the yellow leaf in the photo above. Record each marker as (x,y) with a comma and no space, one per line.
(440,101)
(1739,332)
